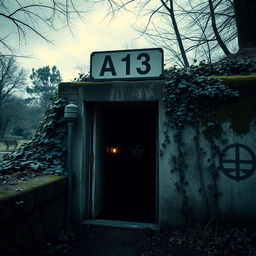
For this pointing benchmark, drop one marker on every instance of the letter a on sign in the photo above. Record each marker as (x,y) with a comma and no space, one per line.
(108,66)
(137,64)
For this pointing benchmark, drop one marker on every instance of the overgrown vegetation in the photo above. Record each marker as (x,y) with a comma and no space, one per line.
(187,92)
(45,153)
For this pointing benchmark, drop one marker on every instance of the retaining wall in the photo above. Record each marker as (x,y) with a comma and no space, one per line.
(31,213)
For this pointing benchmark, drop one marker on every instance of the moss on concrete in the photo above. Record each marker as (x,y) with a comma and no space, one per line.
(18,199)
(236,82)
(31,213)
(239,112)
(9,191)
(81,84)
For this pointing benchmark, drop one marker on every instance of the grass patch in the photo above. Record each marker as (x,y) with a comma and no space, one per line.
(11,148)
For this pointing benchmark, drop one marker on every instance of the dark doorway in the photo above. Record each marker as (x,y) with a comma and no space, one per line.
(126,186)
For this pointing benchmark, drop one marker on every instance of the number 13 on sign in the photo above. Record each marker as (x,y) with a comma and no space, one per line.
(127,65)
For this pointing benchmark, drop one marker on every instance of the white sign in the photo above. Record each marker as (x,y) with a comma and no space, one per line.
(127,65)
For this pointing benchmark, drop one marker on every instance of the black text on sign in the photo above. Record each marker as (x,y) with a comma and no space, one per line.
(127,64)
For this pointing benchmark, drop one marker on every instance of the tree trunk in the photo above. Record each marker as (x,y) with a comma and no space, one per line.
(245,11)
(3,125)
(215,30)
(176,31)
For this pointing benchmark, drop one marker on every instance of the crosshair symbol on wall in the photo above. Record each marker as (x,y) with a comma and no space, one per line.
(236,168)
(137,150)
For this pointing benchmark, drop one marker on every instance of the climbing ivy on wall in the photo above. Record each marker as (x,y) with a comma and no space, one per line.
(187,91)
(45,153)
(190,95)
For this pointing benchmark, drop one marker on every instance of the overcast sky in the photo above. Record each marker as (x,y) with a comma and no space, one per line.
(71,53)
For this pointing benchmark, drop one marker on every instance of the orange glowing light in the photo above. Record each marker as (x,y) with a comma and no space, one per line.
(113,150)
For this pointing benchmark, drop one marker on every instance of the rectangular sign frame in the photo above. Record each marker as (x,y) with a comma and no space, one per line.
(136,64)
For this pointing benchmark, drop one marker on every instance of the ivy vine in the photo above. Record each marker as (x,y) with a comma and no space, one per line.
(46,152)
(190,95)
(187,91)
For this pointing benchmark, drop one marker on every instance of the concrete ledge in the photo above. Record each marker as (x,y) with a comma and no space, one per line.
(18,199)
(120,91)
(239,81)
(31,213)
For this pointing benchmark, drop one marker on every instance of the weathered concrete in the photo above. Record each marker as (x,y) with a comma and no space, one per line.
(31,213)
(84,95)
(228,199)
(207,193)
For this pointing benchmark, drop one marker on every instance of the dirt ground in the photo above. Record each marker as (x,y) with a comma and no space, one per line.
(210,240)
(108,241)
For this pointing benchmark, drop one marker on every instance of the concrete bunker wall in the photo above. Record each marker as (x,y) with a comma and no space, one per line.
(207,192)
(219,176)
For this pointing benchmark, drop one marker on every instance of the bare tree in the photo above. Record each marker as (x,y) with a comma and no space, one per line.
(211,26)
(215,29)
(152,9)
(187,29)
(26,16)
(170,10)
(12,79)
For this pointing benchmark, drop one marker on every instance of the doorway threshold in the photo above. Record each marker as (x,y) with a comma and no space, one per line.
(121,224)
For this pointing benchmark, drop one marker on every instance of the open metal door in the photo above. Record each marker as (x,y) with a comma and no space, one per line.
(98,173)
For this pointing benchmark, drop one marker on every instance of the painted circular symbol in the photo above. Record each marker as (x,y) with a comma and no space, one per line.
(137,151)
(236,168)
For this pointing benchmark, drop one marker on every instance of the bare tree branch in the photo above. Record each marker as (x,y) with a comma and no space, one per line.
(28,16)
(215,29)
